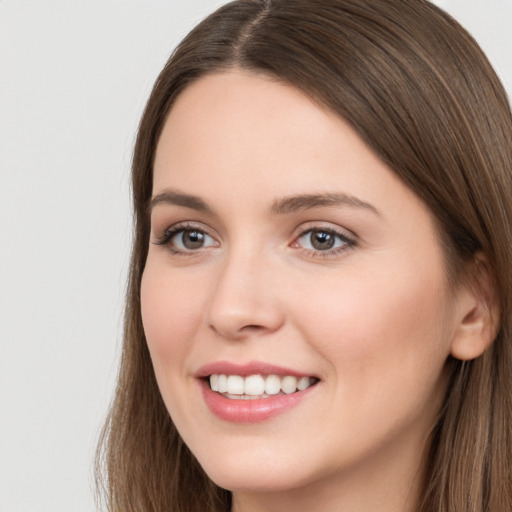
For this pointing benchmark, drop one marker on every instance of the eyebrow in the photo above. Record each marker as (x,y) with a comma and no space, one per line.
(282,206)
(309,201)
(173,197)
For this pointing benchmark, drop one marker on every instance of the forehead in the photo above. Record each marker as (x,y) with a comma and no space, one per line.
(239,114)
(251,128)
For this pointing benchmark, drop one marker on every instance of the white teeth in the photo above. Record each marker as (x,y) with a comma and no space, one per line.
(223,384)
(304,383)
(244,397)
(236,386)
(272,385)
(289,384)
(254,385)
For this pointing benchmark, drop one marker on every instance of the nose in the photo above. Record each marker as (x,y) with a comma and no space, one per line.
(244,300)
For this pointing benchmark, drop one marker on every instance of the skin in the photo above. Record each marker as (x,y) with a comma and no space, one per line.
(375,321)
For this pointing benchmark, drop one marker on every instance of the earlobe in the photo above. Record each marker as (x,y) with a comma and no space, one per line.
(479,312)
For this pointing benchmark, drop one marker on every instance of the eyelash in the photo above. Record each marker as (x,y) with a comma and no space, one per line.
(169,234)
(347,241)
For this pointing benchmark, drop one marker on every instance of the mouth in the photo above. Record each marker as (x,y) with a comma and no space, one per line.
(258,386)
(253,392)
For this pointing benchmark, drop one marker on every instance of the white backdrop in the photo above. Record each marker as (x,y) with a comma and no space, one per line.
(74,76)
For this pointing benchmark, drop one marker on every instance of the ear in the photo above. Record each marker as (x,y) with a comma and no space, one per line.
(479,316)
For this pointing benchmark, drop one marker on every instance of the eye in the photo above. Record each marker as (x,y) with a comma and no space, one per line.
(327,241)
(186,240)
(191,240)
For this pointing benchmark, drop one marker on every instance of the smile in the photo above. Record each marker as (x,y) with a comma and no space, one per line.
(253,387)
(253,392)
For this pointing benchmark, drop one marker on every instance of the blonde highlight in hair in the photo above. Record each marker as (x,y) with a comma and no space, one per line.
(419,91)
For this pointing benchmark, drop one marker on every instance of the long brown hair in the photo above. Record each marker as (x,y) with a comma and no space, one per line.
(420,92)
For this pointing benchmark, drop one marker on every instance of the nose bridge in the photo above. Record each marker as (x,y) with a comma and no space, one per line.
(243,298)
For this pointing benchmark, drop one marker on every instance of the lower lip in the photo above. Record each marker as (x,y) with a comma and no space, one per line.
(251,411)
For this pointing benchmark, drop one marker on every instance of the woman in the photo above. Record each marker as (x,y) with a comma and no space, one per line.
(318,313)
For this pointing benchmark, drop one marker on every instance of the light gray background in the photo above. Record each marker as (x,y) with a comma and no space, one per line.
(74,77)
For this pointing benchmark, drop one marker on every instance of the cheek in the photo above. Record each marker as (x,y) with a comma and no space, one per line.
(383,333)
(171,314)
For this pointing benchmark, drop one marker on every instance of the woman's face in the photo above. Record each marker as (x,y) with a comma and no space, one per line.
(284,254)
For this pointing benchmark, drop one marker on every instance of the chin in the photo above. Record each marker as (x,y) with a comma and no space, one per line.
(251,474)
(260,481)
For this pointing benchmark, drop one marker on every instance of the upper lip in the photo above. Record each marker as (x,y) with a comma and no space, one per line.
(246,369)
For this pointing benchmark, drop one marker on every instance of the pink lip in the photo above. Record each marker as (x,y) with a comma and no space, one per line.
(244,370)
(248,411)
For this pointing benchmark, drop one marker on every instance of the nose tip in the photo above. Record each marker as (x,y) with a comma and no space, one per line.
(244,303)
(236,317)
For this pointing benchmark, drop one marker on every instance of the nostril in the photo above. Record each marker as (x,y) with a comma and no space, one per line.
(241,332)
(253,328)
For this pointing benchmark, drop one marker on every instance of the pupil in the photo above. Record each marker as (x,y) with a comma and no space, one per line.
(322,240)
(193,239)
